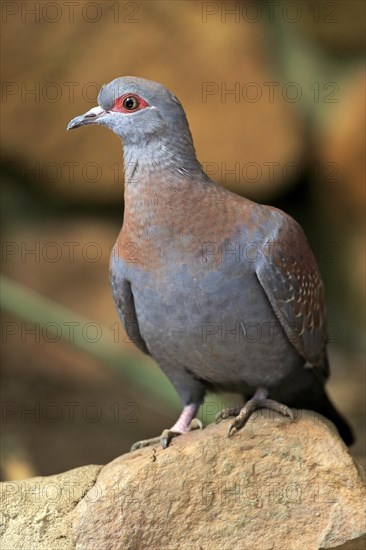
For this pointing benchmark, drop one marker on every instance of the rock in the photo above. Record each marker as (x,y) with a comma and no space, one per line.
(35,513)
(355,544)
(275,484)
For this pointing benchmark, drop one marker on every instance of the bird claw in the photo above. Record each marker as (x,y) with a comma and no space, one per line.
(232,429)
(196,424)
(145,443)
(279,407)
(226,413)
(168,435)
(251,406)
(165,438)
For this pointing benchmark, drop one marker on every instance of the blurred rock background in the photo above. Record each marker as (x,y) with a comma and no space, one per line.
(275,96)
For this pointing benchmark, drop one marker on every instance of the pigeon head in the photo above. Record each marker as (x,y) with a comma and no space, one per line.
(138,111)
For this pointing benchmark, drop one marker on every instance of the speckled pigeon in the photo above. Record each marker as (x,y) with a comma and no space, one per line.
(223,293)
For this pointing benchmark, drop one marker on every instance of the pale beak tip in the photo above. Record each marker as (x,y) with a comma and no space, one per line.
(74,123)
(87,118)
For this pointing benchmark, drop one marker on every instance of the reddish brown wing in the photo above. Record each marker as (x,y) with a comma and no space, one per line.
(290,278)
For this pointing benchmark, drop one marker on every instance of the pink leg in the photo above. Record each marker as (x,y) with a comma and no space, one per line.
(185,423)
(185,419)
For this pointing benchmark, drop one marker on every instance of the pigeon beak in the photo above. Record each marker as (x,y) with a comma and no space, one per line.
(90,117)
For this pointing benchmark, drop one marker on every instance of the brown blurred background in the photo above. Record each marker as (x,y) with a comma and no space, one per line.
(275,96)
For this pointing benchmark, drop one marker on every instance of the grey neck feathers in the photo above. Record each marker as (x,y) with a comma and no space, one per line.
(169,157)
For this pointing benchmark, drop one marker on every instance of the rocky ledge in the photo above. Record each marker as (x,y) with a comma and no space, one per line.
(274,485)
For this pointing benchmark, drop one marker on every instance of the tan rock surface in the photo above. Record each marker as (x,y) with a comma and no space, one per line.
(34,512)
(355,544)
(276,484)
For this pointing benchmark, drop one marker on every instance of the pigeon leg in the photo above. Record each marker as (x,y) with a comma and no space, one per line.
(258,401)
(185,423)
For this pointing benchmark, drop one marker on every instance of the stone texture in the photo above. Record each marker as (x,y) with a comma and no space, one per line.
(355,544)
(35,513)
(276,484)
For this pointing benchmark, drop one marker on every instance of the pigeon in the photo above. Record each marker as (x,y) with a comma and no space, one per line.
(223,293)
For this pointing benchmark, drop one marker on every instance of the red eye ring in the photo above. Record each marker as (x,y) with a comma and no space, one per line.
(129,103)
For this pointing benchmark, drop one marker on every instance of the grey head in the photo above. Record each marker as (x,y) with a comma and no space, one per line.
(143,113)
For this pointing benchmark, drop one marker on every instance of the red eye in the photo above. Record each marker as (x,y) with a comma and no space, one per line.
(129,103)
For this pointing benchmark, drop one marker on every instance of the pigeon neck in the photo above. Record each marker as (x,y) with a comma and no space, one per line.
(167,164)
(159,183)
(175,156)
